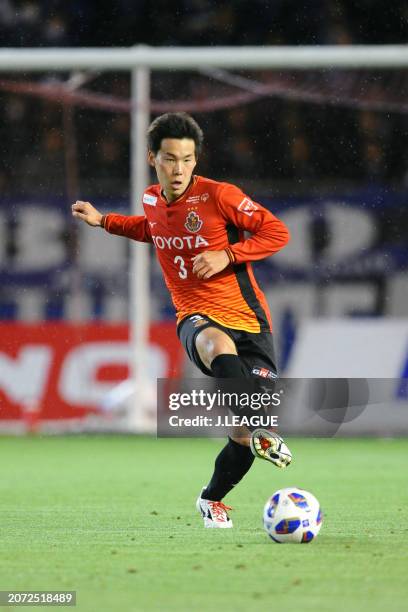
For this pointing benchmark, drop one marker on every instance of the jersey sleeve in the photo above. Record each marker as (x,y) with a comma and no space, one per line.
(135,227)
(269,234)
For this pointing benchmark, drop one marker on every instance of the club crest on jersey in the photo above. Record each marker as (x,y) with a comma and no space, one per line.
(193,222)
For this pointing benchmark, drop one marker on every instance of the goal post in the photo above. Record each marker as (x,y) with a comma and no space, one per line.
(139,265)
(140,61)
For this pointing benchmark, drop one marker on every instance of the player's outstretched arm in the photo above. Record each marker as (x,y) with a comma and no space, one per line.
(88,213)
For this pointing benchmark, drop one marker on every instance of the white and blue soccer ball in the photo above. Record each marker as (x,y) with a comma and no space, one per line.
(292,515)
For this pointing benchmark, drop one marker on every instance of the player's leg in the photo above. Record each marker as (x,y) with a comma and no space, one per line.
(215,353)
(213,350)
(218,352)
(257,354)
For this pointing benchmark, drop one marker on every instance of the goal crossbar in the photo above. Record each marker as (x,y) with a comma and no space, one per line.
(185,58)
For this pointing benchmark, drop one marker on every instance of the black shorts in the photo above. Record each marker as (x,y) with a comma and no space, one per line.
(256,350)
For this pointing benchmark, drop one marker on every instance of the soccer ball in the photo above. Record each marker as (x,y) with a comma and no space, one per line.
(292,515)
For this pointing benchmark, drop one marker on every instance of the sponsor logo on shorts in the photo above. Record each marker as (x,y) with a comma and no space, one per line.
(263,372)
(198,320)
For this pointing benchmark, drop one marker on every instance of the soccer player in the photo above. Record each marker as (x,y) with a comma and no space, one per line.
(197,226)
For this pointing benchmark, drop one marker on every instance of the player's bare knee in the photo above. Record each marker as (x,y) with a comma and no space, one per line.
(211,342)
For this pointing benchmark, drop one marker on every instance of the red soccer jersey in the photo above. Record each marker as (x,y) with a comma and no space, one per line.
(209,216)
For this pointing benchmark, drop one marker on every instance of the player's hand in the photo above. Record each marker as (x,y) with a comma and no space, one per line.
(87,212)
(209,263)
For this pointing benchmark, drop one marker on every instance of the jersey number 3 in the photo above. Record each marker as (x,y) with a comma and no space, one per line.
(178,260)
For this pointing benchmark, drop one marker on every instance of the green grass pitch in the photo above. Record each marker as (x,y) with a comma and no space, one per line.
(114,519)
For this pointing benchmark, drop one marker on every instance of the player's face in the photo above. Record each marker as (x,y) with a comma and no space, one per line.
(174,164)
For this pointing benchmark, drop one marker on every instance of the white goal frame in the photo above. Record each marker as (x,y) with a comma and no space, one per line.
(140,61)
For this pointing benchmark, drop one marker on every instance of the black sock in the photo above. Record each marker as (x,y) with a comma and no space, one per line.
(231,366)
(231,465)
(228,366)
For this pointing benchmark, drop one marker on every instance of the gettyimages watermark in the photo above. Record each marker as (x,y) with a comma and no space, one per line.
(230,408)
(195,407)
(316,407)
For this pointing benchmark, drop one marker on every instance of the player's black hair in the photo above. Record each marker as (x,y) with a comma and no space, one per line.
(174,125)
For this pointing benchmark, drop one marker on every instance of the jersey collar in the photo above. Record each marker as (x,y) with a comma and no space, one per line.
(192,184)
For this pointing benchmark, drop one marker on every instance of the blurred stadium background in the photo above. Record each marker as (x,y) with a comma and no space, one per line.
(326,150)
